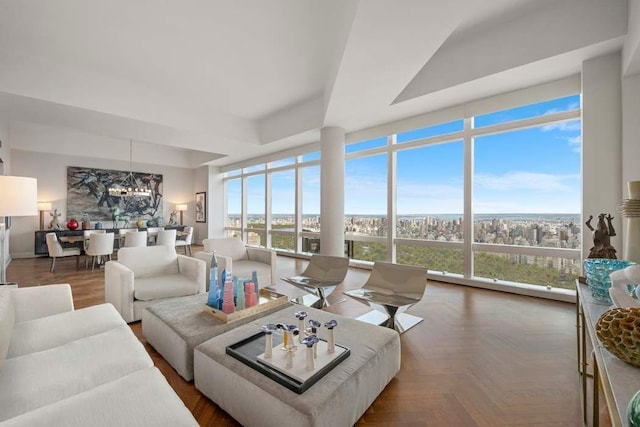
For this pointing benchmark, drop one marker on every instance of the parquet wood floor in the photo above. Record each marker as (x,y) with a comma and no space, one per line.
(480,358)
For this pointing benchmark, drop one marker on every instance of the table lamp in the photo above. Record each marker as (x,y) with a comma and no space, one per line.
(181,208)
(42,208)
(18,197)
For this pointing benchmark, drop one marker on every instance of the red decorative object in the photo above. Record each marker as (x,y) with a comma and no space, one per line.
(72,224)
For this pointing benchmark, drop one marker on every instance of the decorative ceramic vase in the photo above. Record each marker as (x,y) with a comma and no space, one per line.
(98,225)
(140,223)
(619,331)
(86,224)
(633,411)
(597,272)
(72,224)
(159,222)
(150,223)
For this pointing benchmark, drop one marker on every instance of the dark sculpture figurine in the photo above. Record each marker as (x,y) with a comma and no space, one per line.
(602,237)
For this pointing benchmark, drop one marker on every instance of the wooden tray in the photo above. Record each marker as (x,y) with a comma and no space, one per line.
(268,300)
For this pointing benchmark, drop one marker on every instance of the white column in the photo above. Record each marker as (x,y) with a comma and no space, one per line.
(216,205)
(601,145)
(332,191)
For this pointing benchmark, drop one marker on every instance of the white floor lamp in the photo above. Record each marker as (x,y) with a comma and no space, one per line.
(18,197)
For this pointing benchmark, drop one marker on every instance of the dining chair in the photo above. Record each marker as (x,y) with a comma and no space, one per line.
(186,242)
(122,235)
(87,234)
(100,245)
(57,251)
(153,234)
(166,238)
(136,239)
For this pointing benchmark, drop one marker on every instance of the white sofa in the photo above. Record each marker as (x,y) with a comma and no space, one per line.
(60,366)
(144,275)
(240,260)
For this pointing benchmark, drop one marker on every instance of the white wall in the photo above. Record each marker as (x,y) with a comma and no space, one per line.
(630,129)
(216,203)
(602,144)
(4,149)
(51,172)
(630,136)
(631,49)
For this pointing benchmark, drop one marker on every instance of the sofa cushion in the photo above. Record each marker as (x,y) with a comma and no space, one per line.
(232,247)
(166,286)
(7,320)
(52,331)
(149,261)
(141,398)
(45,377)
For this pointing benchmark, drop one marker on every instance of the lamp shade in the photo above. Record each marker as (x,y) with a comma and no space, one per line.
(18,196)
(44,206)
(182,207)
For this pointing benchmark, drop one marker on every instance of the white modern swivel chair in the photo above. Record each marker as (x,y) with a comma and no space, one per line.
(186,242)
(393,288)
(241,260)
(100,245)
(166,238)
(144,275)
(321,277)
(57,251)
(137,239)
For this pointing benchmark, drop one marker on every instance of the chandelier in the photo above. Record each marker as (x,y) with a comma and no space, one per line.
(129,186)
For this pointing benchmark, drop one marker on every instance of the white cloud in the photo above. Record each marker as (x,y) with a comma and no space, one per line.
(522,180)
(576,140)
(570,107)
(571,126)
(576,143)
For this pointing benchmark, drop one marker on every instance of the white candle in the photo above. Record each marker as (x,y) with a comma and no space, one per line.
(311,364)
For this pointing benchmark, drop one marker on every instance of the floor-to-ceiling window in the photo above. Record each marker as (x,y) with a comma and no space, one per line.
(234,204)
(526,194)
(491,196)
(430,197)
(365,201)
(276,204)
(283,209)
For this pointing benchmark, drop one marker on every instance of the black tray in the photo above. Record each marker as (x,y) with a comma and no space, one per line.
(248,350)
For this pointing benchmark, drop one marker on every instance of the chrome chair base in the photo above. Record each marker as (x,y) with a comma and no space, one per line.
(400,322)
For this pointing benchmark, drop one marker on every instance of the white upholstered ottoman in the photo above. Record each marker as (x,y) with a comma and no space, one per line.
(338,399)
(176,326)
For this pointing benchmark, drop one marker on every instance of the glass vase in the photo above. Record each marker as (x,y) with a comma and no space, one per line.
(597,272)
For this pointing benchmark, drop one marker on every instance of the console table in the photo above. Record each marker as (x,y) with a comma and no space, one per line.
(40,246)
(619,380)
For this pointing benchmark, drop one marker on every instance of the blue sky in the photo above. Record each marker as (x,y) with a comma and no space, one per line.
(535,170)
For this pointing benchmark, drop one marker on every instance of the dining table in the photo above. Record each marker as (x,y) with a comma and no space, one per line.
(117,237)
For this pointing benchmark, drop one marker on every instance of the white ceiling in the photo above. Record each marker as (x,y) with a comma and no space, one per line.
(222,81)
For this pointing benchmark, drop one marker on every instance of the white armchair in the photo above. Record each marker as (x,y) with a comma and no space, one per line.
(143,275)
(239,259)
